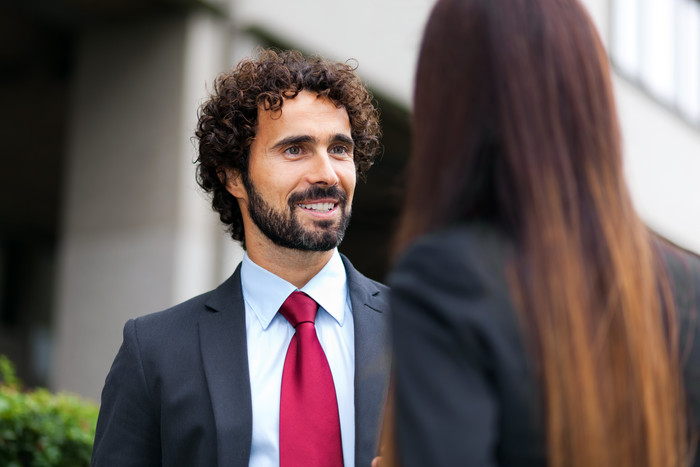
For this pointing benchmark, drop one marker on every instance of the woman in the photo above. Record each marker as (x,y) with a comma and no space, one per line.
(537,321)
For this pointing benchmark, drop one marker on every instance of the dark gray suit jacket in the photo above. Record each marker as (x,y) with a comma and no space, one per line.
(178,392)
(465,390)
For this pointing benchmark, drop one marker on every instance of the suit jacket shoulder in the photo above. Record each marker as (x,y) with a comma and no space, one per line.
(459,354)
(178,391)
(684,273)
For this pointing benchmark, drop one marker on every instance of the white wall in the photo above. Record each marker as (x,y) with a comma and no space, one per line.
(662,165)
(382,35)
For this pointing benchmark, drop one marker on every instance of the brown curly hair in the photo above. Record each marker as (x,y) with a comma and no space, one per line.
(227,120)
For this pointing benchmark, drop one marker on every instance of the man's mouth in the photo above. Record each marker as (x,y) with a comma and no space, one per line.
(318,207)
(320,202)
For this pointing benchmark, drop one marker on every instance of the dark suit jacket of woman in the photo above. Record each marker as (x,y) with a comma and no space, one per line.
(465,393)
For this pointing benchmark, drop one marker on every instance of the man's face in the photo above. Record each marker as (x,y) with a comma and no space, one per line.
(301,175)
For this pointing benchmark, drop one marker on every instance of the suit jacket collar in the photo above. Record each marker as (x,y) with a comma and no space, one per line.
(225,361)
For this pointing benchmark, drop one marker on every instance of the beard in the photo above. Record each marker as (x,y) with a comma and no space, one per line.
(283,227)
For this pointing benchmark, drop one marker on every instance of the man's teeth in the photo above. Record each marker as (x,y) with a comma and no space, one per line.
(321,207)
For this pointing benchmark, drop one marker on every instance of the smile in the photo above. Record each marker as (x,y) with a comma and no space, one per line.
(318,207)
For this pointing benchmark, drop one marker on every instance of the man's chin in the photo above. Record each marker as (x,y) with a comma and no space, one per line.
(319,239)
(319,226)
(311,246)
(324,225)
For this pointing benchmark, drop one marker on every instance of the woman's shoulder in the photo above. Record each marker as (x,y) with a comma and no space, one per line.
(458,266)
(684,271)
(677,256)
(461,245)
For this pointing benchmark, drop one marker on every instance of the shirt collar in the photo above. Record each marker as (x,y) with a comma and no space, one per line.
(264,292)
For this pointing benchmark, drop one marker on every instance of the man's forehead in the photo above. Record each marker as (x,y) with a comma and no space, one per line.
(304,109)
(290,97)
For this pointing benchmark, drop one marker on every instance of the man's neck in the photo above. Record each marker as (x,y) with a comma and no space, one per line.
(295,266)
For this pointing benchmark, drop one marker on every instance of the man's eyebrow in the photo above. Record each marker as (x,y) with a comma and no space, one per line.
(342,138)
(303,139)
(291,140)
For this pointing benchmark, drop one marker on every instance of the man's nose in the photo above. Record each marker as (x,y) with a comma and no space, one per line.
(322,170)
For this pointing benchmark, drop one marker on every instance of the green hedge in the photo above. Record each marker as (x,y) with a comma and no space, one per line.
(40,429)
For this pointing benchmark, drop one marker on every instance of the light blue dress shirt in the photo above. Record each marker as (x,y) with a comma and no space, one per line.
(268,336)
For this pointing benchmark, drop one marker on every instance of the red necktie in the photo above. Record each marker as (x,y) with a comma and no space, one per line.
(309,421)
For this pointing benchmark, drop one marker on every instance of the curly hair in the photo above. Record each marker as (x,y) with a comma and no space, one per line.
(227,120)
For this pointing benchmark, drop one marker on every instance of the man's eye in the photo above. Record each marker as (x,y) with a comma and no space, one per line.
(339,150)
(293,150)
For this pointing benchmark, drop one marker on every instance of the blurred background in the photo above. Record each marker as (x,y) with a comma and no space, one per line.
(100,216)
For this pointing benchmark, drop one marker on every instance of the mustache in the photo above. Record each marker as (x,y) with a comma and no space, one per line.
(319,192)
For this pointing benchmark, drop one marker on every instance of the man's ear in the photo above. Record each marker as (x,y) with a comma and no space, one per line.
(231,178)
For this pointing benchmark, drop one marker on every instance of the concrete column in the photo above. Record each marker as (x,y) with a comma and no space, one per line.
(137,234)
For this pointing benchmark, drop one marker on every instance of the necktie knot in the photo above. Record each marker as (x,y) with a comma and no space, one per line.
(299,308)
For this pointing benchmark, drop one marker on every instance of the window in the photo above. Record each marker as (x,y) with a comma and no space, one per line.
(657,44)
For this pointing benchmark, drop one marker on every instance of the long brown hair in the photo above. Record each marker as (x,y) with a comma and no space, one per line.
(515,124)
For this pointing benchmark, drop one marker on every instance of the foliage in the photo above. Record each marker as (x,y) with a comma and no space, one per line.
(41,429)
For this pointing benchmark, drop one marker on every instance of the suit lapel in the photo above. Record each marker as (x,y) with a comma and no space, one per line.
(225,359)
(372,361)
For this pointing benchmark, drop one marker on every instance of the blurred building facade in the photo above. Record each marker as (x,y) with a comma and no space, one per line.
(101,219)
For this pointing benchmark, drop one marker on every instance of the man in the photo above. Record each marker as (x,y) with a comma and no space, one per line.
(217,380)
